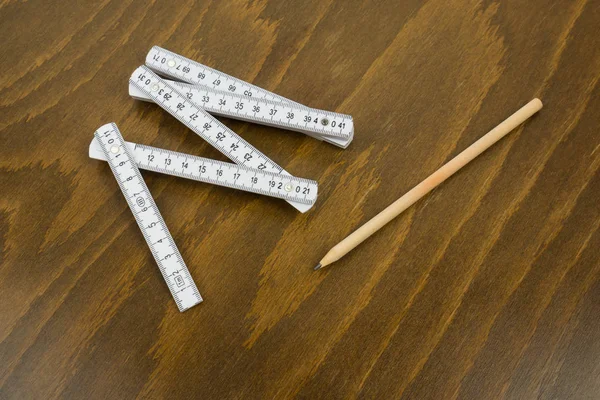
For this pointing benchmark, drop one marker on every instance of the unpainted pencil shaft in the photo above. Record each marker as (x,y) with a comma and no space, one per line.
(439,176)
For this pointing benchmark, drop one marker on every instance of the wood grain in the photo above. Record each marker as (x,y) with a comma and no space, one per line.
(488,288)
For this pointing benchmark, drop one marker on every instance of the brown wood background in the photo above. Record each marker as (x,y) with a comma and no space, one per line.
(489,288)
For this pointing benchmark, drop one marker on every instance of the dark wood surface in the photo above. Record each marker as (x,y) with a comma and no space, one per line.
(488,288)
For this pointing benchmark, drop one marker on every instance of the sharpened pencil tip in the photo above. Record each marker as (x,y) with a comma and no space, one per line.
(319,266)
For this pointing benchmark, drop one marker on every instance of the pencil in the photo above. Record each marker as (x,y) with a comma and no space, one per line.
(430,183)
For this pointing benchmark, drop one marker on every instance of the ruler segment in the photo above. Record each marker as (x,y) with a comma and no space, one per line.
(217,172)
(178,67)
(205,125)
(148,217)
(222,94)
(339,141)
(299,118)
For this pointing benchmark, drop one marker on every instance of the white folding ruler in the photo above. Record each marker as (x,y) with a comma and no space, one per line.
(219,173)
(224,95)
(206,126)
(147,215)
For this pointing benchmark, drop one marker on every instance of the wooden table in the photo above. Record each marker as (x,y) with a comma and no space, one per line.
(488,288)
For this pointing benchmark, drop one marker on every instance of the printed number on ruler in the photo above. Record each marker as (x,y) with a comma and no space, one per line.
(205,125)
(229,95)
(218,173)
(148,217)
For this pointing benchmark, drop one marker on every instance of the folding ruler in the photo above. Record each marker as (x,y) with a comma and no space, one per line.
(224,95)
(190,102)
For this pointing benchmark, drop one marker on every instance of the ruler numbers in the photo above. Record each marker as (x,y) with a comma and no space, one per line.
(148,217)
(224,174)
(263,107)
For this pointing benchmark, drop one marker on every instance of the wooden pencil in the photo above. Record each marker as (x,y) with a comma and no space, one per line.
(439,176)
